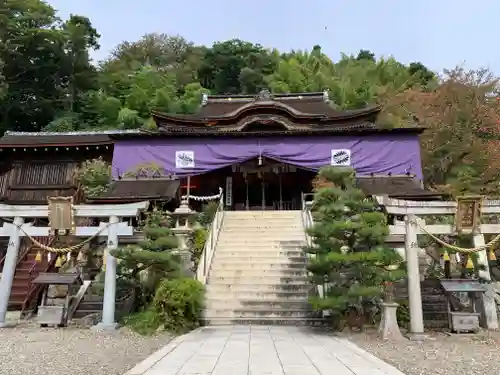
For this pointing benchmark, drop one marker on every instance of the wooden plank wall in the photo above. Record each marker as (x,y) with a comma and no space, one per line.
(44,173)
(5,175)
(33,182)
(31,176)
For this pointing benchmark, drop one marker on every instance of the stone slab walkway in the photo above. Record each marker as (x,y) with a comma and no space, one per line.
(261,350)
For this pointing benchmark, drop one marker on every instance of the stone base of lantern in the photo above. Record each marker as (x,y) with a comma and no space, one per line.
(389,328)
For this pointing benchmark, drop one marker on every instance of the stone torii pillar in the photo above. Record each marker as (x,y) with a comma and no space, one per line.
(489,318)
(9,269)
(413,275)
(112,230)
(108,322)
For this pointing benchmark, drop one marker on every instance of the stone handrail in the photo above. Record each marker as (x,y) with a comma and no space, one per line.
(210,243)
(307,222)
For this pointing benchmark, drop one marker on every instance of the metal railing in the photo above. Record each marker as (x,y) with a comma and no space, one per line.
(211,243)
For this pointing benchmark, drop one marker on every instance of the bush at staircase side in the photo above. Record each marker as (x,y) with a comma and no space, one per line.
(199,236)
(167,301)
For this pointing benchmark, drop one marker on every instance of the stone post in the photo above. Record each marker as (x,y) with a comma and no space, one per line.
(9,269)
(414,292)
(108,308)
(489,318)
(389,328)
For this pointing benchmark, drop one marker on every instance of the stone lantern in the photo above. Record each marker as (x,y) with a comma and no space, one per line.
(182,230)
(389,328)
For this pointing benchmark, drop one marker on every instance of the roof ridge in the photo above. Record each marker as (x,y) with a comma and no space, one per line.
(99,132)
(275,95)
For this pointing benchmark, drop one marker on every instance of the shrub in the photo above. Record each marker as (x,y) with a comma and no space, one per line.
(145,322)
(179,304)
(94,176)
(208,213)
(198,239)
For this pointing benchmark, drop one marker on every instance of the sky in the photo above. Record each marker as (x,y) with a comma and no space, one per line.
(439,33)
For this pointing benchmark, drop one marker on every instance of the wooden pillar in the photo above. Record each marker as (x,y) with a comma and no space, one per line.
(414,292)
(281,189)
(9,269)
(489,318)
(263,185)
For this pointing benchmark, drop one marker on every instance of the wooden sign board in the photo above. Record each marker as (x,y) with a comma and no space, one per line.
(61,215)
(468,215)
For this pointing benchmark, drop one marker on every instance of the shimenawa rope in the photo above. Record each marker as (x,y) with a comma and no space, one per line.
(64,249)
(459,249)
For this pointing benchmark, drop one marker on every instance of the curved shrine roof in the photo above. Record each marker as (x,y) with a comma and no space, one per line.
(299,107)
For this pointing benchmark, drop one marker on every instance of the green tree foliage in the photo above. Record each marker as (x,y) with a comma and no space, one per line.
(179,303)
(235,66)
(153,259)
(350,255)
(48,82)
(94,176)
(45,64)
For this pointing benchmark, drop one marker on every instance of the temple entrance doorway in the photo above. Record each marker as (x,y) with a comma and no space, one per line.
(264,184)
(256,184)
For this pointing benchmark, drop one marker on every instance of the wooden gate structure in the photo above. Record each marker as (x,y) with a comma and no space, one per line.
(113,229)
(411,223)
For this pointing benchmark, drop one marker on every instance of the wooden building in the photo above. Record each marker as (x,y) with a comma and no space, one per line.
(34,166)
(264,150)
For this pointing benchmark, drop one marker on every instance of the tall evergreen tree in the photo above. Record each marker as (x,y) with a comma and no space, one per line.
(153,259)
(351,258)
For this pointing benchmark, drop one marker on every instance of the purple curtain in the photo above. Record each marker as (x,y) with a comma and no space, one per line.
(378,154)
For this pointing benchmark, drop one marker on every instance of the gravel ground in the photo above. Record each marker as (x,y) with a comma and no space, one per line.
(442,354)
(30,350)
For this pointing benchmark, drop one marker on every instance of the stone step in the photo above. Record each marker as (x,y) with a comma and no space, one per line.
(259,312)
(252,264)
(242,238)
(259,221)
(262,295)
(276,278)
(259,288)
(243,304)
(278,247)
(258,249)
(256,273)
(257,257)
(303,321)
(264,216)
(272,228)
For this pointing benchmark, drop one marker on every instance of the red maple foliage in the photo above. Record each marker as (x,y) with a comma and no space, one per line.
(461,146)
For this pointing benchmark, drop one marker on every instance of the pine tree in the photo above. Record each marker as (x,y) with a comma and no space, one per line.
(350,258)
(153,259)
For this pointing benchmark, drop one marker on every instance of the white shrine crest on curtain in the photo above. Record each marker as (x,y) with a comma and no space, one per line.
(341,157)
(184,159)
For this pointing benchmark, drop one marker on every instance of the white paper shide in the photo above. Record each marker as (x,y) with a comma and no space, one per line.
(341,157)
(184,159)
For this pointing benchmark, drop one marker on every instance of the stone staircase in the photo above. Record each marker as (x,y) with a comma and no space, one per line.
(258,273)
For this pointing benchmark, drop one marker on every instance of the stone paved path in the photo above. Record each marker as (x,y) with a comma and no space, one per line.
(261,350)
